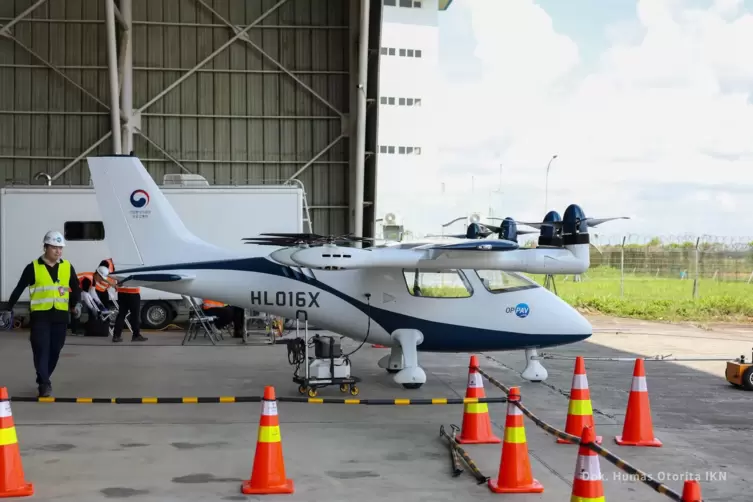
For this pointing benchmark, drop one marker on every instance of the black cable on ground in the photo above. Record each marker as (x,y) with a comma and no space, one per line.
(480,478)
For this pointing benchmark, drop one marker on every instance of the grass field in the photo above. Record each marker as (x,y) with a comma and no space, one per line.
(647,297)
(652,298)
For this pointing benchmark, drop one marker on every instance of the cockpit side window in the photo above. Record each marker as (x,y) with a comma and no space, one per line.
(499,281)
(437,283)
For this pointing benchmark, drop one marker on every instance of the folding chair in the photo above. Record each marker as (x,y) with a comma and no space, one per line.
(198,321)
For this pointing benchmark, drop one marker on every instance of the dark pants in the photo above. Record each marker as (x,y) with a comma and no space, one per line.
(47,340)
(128,302)
(238,325)
(224,316)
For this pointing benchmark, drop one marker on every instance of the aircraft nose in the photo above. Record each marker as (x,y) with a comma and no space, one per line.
(579,328)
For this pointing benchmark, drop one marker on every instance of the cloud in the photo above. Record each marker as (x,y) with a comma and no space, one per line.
(670,103)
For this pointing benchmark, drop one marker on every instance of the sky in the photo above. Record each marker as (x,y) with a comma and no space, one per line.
(648,105)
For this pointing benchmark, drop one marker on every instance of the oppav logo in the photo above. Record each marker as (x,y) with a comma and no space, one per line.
(522,310)
(139,198)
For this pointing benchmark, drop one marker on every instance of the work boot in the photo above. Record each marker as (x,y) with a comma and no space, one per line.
(45,390)
(117,339)
(139,338)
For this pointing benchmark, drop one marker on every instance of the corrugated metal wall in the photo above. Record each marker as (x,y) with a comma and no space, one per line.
(239,119)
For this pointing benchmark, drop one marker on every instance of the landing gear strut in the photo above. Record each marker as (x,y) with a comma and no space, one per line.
(392,362)
(534,371)
(403,359)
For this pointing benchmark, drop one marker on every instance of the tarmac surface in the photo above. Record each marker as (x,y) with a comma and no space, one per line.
(336,452)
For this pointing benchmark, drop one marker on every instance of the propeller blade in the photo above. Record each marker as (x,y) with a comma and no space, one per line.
(541,224)
(592,222)
(296,235)
(302,239)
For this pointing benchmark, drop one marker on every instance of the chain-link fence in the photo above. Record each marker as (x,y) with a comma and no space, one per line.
(668,269)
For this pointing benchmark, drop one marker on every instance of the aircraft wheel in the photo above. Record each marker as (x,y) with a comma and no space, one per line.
(391,371)
(312,392)
(302,389)
(412,385)
(344,387)
(354,390)
(748,379)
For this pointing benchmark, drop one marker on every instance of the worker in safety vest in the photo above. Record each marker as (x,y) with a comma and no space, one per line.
(53,292)
(101,284)
(211,304)
(129,300)
(218,309)
(99,279)
(226,314)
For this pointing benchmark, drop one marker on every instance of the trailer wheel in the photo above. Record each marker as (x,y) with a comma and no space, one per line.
(748,379)
(156,315)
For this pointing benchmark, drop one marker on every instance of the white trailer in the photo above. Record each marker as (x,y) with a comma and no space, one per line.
(222,215)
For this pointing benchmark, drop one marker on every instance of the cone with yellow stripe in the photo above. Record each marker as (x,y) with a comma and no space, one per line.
(514,465)
(477,426)
(579,412)
(638,429)
(268,473)
(12,482)
(587,485)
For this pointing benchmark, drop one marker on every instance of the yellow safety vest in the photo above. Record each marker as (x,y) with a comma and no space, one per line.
(46,294)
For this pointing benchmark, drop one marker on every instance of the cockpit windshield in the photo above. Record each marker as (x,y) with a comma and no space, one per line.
(499,281)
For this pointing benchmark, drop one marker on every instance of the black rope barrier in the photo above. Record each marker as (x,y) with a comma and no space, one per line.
(643,477)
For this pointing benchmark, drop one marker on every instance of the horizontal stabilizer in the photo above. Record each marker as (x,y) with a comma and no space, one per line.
(157,278)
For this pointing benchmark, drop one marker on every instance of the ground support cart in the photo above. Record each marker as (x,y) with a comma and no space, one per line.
(327,367)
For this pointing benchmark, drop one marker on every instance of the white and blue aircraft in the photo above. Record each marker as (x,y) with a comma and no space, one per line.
(378,293)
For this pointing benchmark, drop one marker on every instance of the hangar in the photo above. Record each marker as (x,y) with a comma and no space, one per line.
(238,91)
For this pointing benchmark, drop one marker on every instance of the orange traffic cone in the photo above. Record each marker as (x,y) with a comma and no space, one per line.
(638,429)
(12,482)
(579,411)
(268,474)
(477,426)
(587,480)
(691,491)
(514,465)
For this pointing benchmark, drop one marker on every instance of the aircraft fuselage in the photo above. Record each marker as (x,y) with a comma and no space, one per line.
(377,302)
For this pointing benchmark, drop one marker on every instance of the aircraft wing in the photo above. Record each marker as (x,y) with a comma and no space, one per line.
(469,254)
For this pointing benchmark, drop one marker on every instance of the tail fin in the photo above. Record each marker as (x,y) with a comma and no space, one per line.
(141,226)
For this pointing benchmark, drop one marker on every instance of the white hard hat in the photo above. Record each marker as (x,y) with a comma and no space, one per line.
(102,271)
(54,238)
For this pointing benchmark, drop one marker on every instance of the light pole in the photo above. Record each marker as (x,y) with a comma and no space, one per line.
(546,190)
